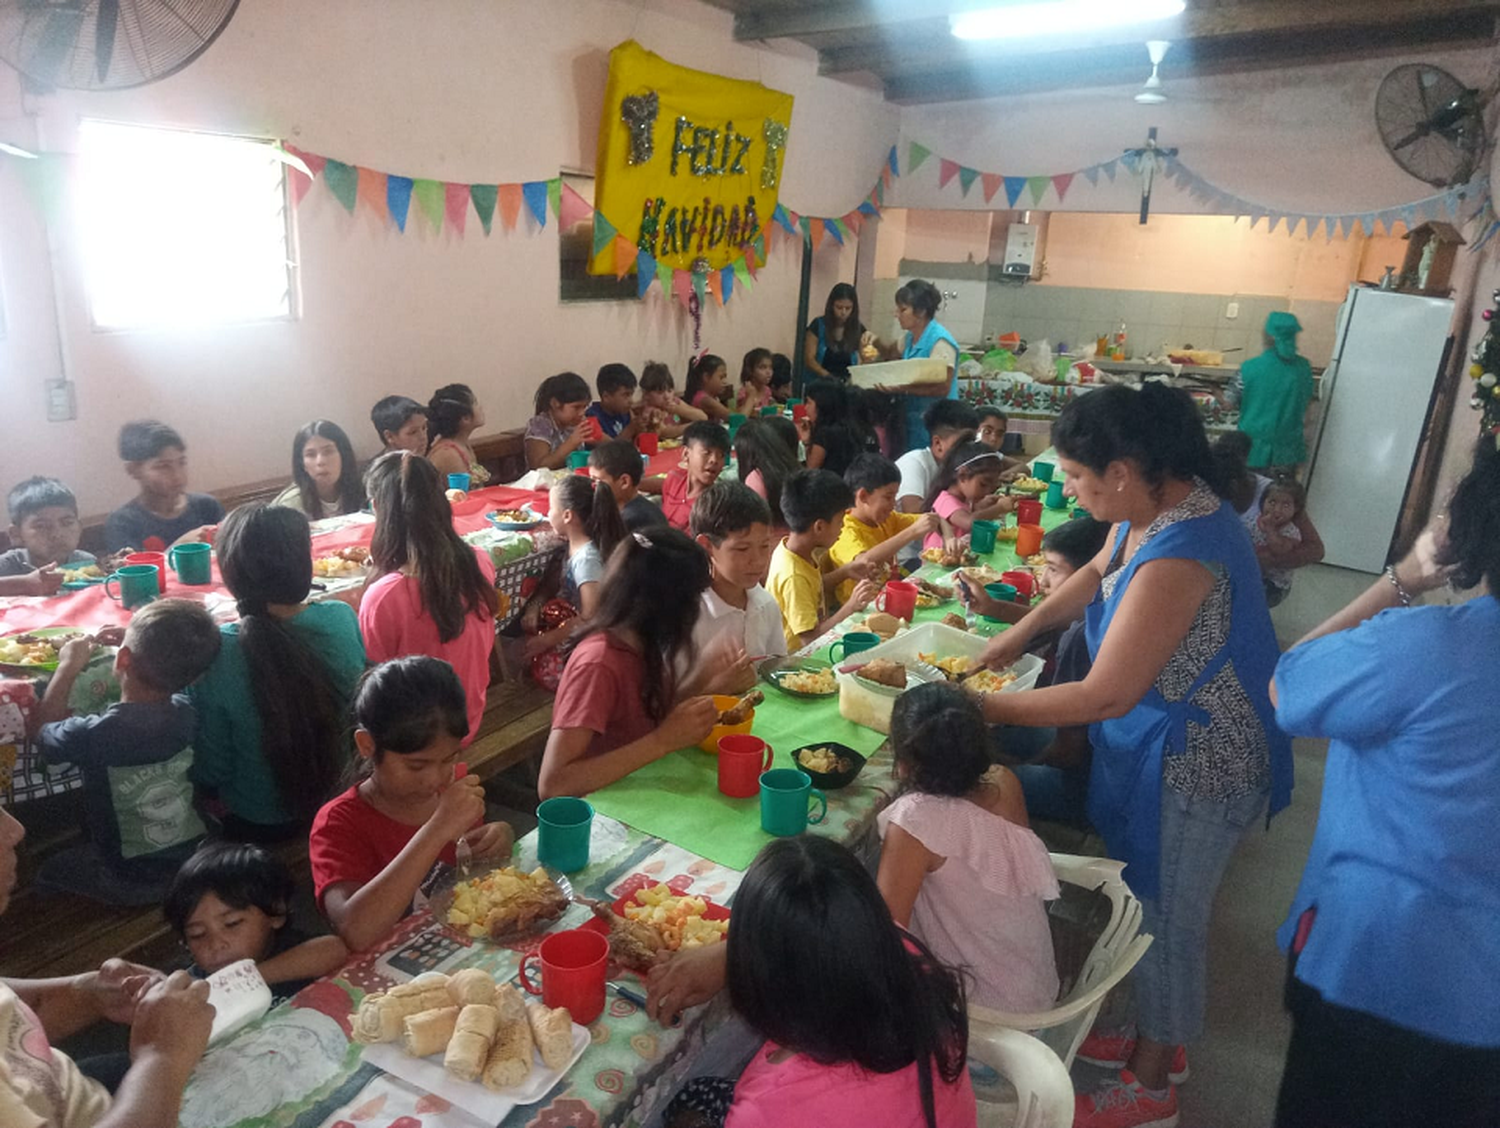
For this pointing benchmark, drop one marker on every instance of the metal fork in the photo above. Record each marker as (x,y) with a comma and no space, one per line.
(463,856)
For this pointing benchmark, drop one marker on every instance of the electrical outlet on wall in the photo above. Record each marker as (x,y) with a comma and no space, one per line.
(61,402)
(1232,310)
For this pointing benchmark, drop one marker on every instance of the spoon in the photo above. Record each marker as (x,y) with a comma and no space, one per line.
(461,852)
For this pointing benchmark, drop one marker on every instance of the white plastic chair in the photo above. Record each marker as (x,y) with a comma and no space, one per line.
(1044,1092)
(1118,949)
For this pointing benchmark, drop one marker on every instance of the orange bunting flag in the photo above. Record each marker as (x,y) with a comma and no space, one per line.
(991,182)
(371,192)
(711,284)
(624,255)
(509,198)
(456,205)
(854,220)
(815,230)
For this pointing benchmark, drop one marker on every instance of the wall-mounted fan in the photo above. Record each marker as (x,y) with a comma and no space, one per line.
(107,44)
(1432,124)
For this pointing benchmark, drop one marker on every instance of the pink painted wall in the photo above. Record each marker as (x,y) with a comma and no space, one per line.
(463,90)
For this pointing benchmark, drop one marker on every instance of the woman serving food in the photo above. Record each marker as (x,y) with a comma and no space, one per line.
(916,307)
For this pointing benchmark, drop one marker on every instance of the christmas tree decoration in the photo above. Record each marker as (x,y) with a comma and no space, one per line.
(1486,364)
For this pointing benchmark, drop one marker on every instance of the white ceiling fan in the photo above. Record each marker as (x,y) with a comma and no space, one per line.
(1151,93)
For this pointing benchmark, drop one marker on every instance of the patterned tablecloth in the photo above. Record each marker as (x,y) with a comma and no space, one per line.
(297,1067)
(1032,406)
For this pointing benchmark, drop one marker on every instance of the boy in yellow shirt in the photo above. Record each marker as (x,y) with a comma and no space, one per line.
(873,530)
(801,576)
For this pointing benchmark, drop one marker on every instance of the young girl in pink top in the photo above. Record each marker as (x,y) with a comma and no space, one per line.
(755,382)
(964,490)
(707,379)
(863,1026)
(959,865)
(434,594)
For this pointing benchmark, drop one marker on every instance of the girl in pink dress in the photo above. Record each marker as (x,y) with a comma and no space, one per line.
(964,490)
(959,865)
(707,381)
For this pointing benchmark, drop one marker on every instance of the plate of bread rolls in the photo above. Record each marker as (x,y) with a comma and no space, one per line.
(477,1044)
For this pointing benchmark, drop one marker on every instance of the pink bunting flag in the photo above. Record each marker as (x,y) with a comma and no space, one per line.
(456,205)
(991,182)
(624,254)
(1061,182)
(301,183)
(509,198)
(854,220)
(947,170)
(682,286)
(572,208)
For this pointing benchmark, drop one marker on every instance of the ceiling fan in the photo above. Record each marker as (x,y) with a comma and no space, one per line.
(1151,93)
(1433,125)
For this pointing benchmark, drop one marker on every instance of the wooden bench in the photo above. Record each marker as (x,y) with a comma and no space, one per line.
(46,933)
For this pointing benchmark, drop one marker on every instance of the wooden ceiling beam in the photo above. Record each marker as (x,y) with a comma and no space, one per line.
(833,17)
(1122,66)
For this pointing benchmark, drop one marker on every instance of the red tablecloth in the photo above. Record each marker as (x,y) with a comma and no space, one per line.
(90,609)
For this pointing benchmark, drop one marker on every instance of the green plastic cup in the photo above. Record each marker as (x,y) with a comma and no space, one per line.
(564,828)
(982,536)
(578,460)
(193,562)
(736,421)
(774,410)
(1042,470)
(1004,593)
(1055,498)
(854,642)
(785,794)
(139,585)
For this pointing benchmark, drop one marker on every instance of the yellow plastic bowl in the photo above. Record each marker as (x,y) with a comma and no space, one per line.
(711,742)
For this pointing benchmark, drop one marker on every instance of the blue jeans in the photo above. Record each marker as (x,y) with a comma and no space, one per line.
(1055,794)
(1198,836)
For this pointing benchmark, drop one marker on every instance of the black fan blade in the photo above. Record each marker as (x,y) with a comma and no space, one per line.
(104,37)
(1411,138)
(58,39)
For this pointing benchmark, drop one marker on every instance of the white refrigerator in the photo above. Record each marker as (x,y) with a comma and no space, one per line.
(1376,397)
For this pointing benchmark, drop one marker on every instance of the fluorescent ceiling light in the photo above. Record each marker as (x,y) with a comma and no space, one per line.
(1046,17)
(16,151)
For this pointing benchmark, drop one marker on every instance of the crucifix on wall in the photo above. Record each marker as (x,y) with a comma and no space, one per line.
(1145,162)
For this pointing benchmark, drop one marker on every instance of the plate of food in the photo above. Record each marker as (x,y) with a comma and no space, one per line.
(501,904)
(945,559)
(830,764)
(479,1045)
(86,575)
(36,650)
(930,594)
(959,667)
(657,918)
(523,518)
(805,681)
(344,562)
(668,444)
(1028,487)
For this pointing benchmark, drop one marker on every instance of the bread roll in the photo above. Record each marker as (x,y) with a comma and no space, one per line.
(471,985)
(509,1002)
(380,1016)
(428,1032)
(882,624)
(473,1035)
(510,1057)
(552,1029)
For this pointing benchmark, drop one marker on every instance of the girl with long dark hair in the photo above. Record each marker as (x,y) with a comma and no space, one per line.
(617,707)
(832,343)
(433,593)
(271,737)
(707,381)
(453,415)
(325,475)
(765,451)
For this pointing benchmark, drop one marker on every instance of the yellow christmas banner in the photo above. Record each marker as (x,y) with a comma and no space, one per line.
(689,163)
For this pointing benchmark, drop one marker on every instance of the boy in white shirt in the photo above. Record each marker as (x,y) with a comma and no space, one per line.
(949,422)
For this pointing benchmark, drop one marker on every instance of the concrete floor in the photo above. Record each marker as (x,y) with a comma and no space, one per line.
(1236,1067)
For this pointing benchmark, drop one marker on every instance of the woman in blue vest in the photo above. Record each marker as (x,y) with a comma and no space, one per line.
(1187,754)
(916,307)
(1395,951)
(833,341)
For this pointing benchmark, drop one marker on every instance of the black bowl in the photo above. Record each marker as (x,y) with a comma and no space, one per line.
(831,781)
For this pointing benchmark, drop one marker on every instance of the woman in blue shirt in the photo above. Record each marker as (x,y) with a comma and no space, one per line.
(916,309)
(1395,952)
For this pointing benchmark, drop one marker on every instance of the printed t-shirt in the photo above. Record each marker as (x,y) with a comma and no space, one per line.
(858,536)
(17,561)
(800,1091)
(135,758)
(40,1087)
(610,423)
(797,586)
(227,756)
(134,526)
(395,623)
(601,691)
(352,841)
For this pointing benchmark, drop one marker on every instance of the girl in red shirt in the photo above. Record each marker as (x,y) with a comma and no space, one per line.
(372,846)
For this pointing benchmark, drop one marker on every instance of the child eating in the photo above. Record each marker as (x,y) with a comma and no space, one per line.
(739,617)
(781,378)
(229,902)
(618,707)
(620,465)
(616,384)
(44,527)
(874,530)
(561,424)
(401,423)
(163,514)
(801,575)
(993,424)
(371,847)
(453,415)
(707,382)
(959,865)
(134,756)
(755,382)
(662,411)
(707,448)
(964,491)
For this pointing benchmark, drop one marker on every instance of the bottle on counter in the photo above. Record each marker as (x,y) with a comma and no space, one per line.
(1118,351)
(1101,346)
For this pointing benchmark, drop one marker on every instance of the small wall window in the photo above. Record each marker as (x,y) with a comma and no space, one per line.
(182,228)
(575,246)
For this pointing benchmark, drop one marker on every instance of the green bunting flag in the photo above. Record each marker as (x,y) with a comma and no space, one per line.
(916,154)
(343,182)
(429,195)
(484,196)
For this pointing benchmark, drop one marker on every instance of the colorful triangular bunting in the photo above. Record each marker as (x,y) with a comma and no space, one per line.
(572,208)
(429,197)
(915,155)
(343,182)
(604,231)
(398,199)
(509,197)
(1061,183)
(1014,186)
(645,272)
(991,182)
(890,162)
(456,205)
(534,192)
(947,170)
(484,196)
(966,178)
(1038,186)
(554,193)
(726,282)
(624,256)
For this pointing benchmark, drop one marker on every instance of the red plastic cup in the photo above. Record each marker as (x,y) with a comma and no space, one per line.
(1023,582)
(647,443)
(159,559)
(742,759)
(1028,540)
(899,599)
(1029,511)
(573,966)
(799,411)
